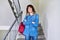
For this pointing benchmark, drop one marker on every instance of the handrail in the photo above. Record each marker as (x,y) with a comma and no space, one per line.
(16,20)
(10,28)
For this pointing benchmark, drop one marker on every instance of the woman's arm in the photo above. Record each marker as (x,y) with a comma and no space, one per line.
(36,22)
(25,21)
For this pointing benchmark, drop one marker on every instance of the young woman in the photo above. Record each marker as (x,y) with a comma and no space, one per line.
(31,21)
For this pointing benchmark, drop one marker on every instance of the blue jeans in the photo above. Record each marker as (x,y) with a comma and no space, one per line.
(31,38)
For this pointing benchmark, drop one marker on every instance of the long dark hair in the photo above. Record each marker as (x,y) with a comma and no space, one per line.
(31,7)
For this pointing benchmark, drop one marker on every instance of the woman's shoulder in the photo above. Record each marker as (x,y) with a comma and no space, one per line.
(27,15)
(36,14)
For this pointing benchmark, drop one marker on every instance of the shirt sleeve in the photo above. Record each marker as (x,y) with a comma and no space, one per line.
(36,22)
(25,21)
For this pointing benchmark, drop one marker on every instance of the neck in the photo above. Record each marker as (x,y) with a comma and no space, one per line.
(31,13)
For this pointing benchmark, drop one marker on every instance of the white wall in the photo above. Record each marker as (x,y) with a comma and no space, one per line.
(6,15)
(53,18)
(43,18)
(50,18)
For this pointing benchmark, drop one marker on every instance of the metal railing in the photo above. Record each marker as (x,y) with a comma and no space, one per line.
(17,13)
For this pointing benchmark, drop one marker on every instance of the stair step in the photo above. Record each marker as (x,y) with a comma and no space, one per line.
(24,39)
(21,37)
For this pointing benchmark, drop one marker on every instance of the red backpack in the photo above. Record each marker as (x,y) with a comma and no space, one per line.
(21,28)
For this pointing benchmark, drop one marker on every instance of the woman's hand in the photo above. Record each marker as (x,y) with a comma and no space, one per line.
(33,22)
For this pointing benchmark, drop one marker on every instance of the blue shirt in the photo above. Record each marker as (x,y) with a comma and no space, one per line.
(31,25)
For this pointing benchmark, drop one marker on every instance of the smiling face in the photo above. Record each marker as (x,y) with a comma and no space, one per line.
(30,10)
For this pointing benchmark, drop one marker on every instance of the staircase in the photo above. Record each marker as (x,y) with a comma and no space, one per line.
(13,34)
(40,34)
